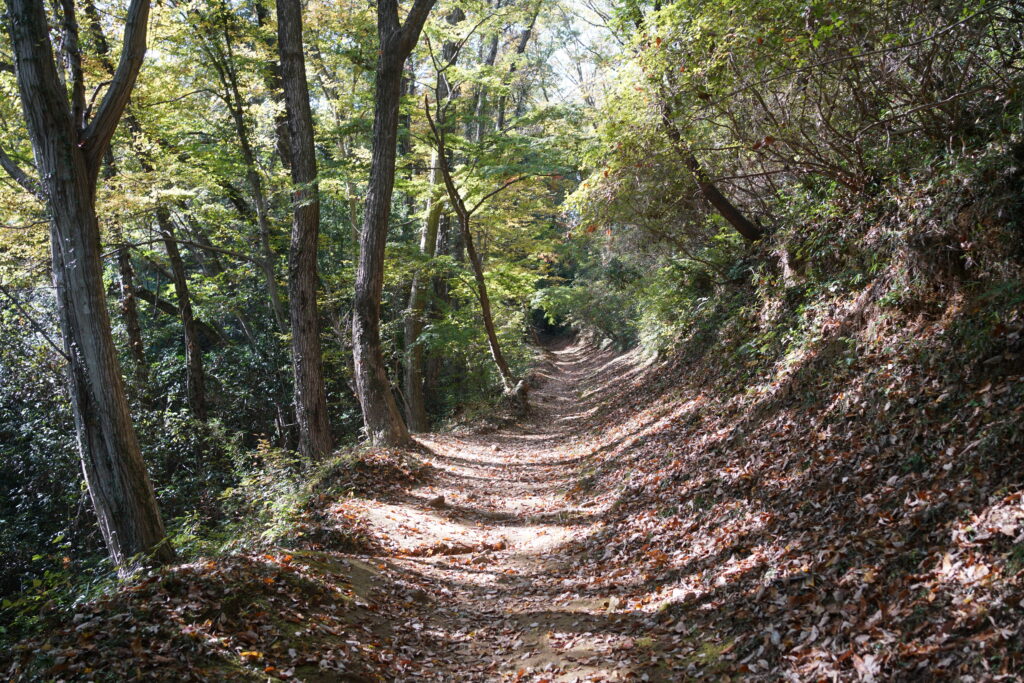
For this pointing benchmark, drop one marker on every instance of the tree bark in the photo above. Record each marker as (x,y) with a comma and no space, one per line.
(272,80)
(384,424)
(415,406)
(464,215)
(195,376)
(719,201)
(480,104)
(207,336)
(485,304)
(68,155)
(130,313)
(310,396)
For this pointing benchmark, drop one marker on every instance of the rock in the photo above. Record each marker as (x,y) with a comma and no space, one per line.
(437,503)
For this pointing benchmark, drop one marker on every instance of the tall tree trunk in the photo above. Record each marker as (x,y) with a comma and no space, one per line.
(416,411)
(384,424)
(272,81)
(440,295)
(324,78)
(130,313)
(195,377)
(268,257)
(68,153)
(485,305)
(223,62)
(310,396)
(415,407)
(480,105)
(464,214)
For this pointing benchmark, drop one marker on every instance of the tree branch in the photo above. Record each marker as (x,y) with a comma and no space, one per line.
(442,159)
(31,321)
(189,243)
(27,182)
(72,50)
(508,183)
(101,128)
(410,31)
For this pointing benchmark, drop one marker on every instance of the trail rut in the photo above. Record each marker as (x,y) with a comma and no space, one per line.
(494,595)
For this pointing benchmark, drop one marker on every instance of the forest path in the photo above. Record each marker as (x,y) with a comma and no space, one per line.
(492,592)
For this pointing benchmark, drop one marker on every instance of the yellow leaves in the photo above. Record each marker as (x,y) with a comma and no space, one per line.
(251,655)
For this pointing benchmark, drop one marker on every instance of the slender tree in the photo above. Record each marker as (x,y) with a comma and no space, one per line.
(310,396)
(384,423)
(419,291)
(725,208)
(218,45)
(465,214)
(195,375)
(69,147)
(524,39)
(130,315)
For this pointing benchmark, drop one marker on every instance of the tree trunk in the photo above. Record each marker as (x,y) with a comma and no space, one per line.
(711,193)
(524,38)
(310,396)
(272,81)
(485,306)
(480,105)
(416,412)
(195,380)
(223,63)
(415,407)
(68,154)
(195,377)
(384,424)
(130,313)
(464,216)
(268,258)
(725,208)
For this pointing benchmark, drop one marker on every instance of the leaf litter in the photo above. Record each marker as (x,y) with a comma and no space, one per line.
(639,525)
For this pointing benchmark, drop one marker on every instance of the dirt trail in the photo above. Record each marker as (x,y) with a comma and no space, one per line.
(492,592)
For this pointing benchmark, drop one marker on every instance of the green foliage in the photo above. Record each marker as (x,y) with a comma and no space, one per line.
(597,306)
